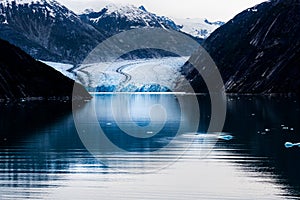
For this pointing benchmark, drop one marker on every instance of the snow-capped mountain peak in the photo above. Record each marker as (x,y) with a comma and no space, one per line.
(50,8)
(130,12)
(114,18)
(197,27)
(10,2)
(46,30)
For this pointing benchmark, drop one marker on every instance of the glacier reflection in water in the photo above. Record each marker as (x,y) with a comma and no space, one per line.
(148,126)
(42,156)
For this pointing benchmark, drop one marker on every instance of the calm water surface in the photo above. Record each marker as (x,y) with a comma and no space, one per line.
(42,155)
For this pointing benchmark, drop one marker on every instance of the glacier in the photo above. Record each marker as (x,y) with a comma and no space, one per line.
(139,75)
(61,67)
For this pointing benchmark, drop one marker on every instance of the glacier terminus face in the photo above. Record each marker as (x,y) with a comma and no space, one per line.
(140,75)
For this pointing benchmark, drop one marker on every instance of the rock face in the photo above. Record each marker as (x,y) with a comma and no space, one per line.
(258,51)
(47,30)
(117,18)
(21,76)
(113,19)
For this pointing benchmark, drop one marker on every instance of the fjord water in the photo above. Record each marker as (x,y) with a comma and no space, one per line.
(42,155)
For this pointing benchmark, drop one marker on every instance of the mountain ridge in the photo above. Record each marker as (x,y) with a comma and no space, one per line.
(24,78)
(49,31)
(141,17)
(114,18)
(257,51)
(198,27)
(50,27)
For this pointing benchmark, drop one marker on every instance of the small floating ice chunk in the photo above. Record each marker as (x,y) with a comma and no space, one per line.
(149,132)
(108,124)
(285,128)
(211,135)
(267,130)
(225,137)
(291,129)
(289,144)
(253,114)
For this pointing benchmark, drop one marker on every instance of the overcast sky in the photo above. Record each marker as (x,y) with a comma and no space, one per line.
(222,10)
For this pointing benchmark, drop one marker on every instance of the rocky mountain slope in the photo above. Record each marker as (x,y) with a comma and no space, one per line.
(114,18)
(22,77)
(258,51)
(47,30)
(117,18)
